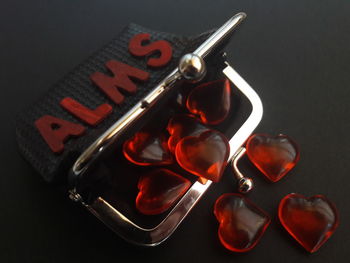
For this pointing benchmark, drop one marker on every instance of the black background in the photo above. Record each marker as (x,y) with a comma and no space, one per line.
(296,54)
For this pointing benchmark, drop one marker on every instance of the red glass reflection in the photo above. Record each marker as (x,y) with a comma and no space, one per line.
(311,221)
(274,156)
(242,223)
(205,156)
(147,149)
(159,190)
(211,101)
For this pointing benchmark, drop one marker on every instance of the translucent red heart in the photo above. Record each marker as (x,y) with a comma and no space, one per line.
(311,221)
(274,156)
(159,190)
(211,101)
(147,149)
(242,223)
(205,155)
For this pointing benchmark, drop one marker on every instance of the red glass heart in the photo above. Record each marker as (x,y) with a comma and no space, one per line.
(159,190)
(274,156)
(211,101)
(181,126)
(205,156)
(311,221)
(242,223)
(147,149)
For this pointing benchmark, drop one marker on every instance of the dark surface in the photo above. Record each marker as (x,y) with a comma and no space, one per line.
(296,54)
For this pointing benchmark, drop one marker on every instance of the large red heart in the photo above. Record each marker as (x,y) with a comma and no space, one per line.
(211,101)
(274,156)
(159,190)
(205,156)
(147,149)
(311,221)
(242,223)
(181,126)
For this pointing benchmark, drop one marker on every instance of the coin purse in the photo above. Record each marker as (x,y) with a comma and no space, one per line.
(74,135)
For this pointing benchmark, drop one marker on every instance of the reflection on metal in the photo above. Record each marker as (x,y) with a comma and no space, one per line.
(255,116)
(153,236)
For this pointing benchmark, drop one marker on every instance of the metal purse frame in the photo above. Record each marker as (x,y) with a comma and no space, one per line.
(114,219)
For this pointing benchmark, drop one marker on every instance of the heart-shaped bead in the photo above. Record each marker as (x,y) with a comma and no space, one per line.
(181,126)
(205,155)
(311,221)
(274,156)
(159,190)
(211,101)
(147,149)
(242,223)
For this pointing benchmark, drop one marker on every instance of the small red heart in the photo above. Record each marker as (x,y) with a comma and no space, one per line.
(147,149)
(211,101)
(274,156)
(205,156)
(242,223)
(181,126)
(311,221)
(159,190)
